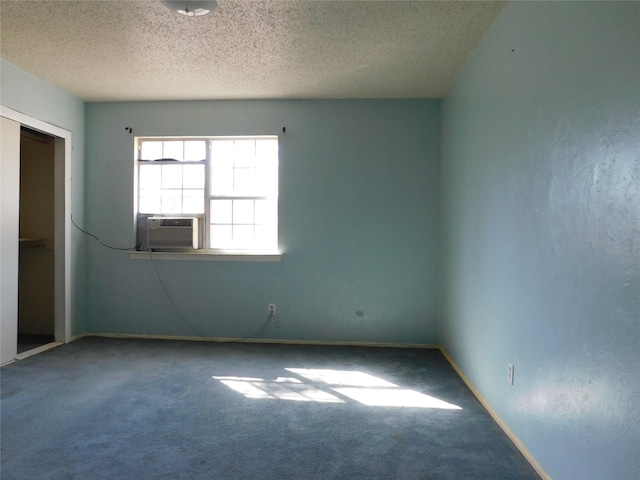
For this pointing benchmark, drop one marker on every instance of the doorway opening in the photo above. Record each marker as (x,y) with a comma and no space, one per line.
(36,263)
(57,244)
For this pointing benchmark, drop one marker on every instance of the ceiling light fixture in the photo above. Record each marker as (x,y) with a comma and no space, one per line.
(191,8)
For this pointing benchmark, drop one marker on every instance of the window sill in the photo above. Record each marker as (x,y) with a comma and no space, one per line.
(209,255)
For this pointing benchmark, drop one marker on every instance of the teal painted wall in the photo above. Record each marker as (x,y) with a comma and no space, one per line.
(31,96)
(541,231)
(359,224)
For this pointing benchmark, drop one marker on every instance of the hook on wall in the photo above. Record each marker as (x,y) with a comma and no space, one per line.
(129,129)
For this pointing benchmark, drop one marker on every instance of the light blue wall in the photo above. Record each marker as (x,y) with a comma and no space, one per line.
(541,231)
(31,96)
(359,203)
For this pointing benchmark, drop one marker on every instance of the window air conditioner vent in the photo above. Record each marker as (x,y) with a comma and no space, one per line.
(172,232)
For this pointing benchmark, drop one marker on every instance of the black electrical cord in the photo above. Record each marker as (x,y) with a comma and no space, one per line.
(166,292)
(100,241)
(194,329)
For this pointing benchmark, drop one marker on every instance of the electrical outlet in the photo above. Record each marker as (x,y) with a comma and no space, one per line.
(272,309)
(510,373)
(277,322)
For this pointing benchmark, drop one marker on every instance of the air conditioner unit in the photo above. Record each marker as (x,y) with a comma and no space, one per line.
(172,232)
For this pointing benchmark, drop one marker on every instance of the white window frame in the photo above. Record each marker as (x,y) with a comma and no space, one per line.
(231,252)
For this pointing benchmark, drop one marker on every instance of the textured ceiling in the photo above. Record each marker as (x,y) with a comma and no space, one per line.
(109,50)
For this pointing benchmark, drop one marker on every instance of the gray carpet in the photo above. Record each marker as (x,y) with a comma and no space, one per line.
(146,409)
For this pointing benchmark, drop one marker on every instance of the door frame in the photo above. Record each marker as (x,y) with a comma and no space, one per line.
(62,192)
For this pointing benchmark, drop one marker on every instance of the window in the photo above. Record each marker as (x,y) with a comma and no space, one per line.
(229,182)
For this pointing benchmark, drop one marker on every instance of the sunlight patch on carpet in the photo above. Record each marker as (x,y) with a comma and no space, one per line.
(333,386)
(281,388)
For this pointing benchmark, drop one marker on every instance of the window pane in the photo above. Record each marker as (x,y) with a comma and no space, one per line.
(244,153)
(244,181)
(266,212)
(171,176)
(221,212)
(171,201)
(195,150)
(149,177)
(266,236)
(243,211)
(221,181)
(243,236)
(220,236)
(222,153)
(150,201)
(266,152)
(266,182)
(151,150)
(193,176)
(193,201)
(267,166)
(174,150)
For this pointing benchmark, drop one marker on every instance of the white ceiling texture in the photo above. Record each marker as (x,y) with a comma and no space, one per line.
(122,50)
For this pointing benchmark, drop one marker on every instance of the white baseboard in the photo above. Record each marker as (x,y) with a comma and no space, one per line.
(35,351)
(265,341)
(505,428)
(78,337)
